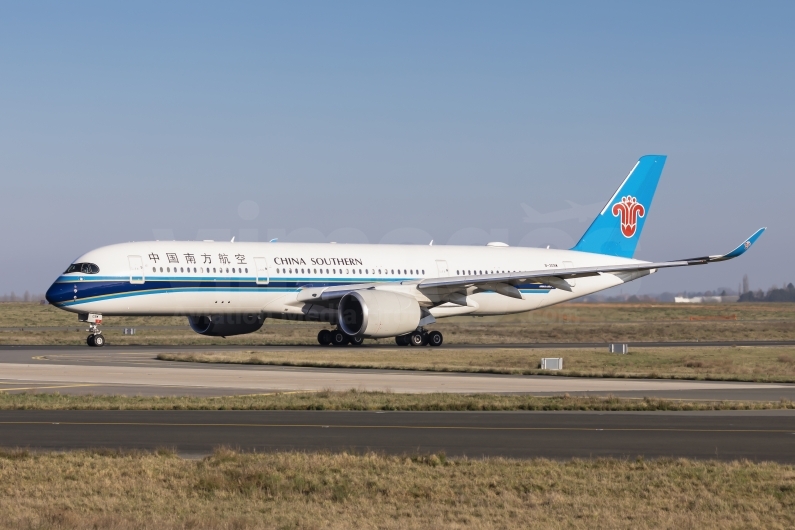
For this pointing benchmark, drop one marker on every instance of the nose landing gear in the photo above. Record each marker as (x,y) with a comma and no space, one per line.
(95,339)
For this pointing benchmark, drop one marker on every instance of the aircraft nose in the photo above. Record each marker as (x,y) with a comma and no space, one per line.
(58,292)
(50,295)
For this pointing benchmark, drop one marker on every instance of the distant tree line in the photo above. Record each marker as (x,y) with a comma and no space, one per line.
(27,297)
(774,294)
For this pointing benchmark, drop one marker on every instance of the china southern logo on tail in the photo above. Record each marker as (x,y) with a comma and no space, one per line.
(629,209)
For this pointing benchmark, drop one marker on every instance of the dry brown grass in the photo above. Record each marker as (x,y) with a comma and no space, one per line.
(563,323)
(357,400)
(229,490)
(744,363)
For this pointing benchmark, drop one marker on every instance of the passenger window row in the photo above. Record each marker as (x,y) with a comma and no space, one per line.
(479,272)
(235,270)
(406,272)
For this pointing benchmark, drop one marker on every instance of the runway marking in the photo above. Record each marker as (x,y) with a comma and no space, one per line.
(267,394)
(407,427)
(133,385)
(43,387)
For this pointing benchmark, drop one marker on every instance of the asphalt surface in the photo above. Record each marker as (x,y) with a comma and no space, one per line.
(135,371)
(758,436)
(510,346)
(755,435)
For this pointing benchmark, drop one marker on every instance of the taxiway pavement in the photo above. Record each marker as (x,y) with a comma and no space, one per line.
(136,371)
(726,435)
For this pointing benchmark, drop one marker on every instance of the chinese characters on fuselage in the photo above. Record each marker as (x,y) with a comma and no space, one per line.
(190,258)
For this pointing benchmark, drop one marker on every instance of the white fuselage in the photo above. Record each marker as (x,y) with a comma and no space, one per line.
(205,277)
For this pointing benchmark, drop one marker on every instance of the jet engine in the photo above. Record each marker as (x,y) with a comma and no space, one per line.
(226,325)
(376,314)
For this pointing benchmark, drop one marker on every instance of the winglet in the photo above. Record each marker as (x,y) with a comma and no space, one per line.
(741,248)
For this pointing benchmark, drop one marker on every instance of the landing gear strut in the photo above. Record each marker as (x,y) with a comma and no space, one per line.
(95,339)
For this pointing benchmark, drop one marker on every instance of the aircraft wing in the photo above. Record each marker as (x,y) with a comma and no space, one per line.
(503,283)
(323,294)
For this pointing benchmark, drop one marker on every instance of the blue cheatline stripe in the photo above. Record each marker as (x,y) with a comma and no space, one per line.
(165,291)
(237,290)
(70,293)
(251,279)
(64,293)
(91,278)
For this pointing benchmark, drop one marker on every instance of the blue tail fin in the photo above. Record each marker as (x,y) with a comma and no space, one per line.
(617,228)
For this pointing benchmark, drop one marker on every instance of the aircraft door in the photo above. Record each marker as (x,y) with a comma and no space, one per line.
(441,267)
(136,269)
(263,276)
(569,265)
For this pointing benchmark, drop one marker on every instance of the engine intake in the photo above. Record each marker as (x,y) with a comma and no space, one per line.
(226,325)
(377,314)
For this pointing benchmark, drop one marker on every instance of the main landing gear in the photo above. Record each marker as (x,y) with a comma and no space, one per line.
(420,338)
(95,339)
(337,337)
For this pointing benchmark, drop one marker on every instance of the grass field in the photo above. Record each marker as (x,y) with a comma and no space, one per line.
(563,323)
(752,363)
(362,401)
(229,490)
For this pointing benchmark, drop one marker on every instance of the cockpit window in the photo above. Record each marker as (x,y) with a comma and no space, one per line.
(85,268)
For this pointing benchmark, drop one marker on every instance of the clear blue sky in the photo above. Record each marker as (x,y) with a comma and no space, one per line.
(404,121)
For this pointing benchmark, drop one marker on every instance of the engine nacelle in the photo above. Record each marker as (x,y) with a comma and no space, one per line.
(226,325)
(376,314)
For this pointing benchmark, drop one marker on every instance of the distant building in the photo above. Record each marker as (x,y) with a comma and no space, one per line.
(705,299)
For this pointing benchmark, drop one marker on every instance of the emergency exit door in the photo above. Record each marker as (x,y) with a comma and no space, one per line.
(441,268)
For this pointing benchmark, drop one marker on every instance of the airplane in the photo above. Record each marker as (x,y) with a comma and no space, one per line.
(363,291)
